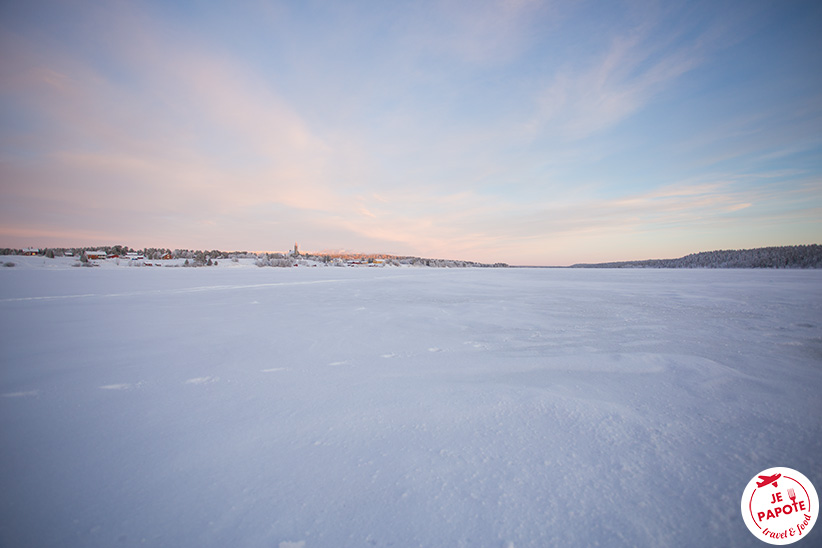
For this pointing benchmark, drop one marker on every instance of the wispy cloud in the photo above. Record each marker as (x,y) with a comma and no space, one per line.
(619,82)
(200,132)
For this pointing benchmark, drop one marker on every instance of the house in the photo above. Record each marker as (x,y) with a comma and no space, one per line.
(96,254)
(31,251)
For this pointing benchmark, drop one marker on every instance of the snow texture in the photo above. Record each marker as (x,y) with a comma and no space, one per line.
(238,406)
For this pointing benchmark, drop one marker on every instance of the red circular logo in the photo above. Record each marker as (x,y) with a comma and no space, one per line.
(780,505)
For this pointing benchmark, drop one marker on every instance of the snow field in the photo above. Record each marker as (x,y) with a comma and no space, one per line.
(401,407)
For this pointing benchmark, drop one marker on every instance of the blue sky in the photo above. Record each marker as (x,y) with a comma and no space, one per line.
(529,132)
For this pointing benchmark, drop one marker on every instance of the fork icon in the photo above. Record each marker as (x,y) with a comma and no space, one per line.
(792,495)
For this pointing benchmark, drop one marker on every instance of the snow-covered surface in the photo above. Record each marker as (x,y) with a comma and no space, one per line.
(267,407)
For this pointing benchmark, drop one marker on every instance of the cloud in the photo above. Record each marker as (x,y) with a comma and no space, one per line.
(588,97)
(188,130)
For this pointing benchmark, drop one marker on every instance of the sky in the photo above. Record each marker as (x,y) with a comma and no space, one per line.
(522,131)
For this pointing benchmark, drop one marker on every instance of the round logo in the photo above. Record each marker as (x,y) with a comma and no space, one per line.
(780,506)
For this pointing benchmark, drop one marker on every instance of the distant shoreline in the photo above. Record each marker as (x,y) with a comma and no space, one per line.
(209,257)
(793,257)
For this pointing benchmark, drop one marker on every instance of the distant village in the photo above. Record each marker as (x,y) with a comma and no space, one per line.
(91,256)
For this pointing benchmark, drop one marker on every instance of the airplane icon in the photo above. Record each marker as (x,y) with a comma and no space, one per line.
(767,480)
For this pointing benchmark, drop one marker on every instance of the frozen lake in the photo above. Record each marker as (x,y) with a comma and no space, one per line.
(336,407)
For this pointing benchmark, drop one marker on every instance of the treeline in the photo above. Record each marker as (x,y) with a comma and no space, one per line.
(792,256)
